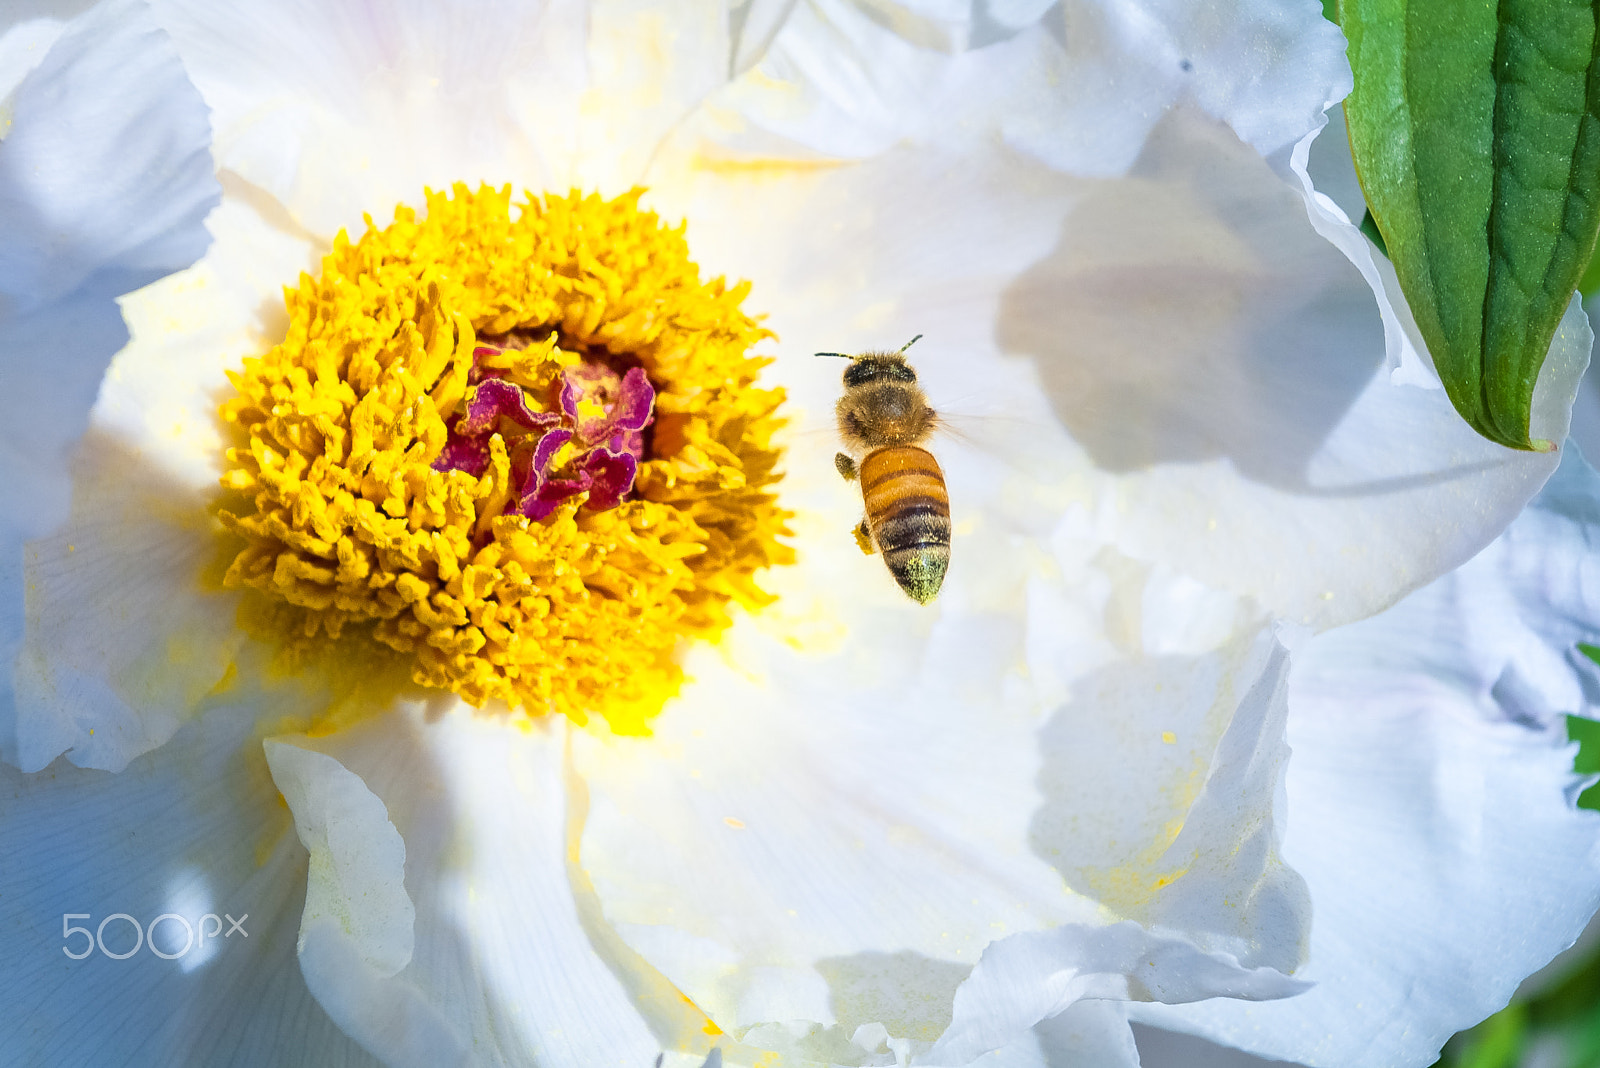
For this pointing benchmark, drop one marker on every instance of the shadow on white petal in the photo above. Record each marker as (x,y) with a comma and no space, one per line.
(123,641)
(752,25)
(906,992)
(43,409)
(862,828)
(104,180)
(27,30)
(193,832)
(1169,1049)
(1178,317)
(389,1017)
(1186,836)
(1025,978)
(105,173)
(1204,344)
(1089,1034)
(1431,793)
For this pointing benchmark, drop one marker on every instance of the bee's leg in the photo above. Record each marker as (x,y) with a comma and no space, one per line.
(864,538)
(846,466)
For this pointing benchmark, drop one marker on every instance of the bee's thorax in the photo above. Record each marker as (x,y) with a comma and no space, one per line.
(884,414)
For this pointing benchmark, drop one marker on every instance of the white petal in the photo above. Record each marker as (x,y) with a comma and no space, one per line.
(194,830)
(1225,852)
(846,847)
(858,78)
(1090,1034)
(1266,68)
(337,109)
(123,642)
(1331,462)
(1210,368)
(1429,817)
(357,929)
(357,881)
(136,552)
(98,198)
(342,108)
(511,948)
(1323,166)
(1586,408)
(754,23)
(1031,978)
(104,180)
(23,45)
(650,64)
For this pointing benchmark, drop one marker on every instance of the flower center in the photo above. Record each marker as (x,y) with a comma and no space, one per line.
(523,447)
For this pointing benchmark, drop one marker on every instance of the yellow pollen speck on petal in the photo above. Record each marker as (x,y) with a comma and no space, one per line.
(764,166)
(354,527)
(1169,737)
(230,676)
(736,824)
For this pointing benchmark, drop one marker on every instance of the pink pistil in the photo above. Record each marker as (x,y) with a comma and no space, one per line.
(602,415)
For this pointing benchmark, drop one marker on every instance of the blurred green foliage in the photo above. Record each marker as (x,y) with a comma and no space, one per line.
(1556,1025)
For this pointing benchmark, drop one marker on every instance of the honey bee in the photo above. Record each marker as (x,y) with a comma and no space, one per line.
(884,418)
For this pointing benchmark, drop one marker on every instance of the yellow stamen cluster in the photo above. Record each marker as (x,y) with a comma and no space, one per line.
(348,527)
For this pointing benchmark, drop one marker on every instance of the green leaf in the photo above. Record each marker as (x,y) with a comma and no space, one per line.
(1370,228)
(1586,732)
(1475,129)
(1591,275)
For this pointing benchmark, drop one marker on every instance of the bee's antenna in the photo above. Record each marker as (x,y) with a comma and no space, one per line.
(908,344)
(841,355)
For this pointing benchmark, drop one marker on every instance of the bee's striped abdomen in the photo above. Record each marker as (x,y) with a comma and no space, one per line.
(908,512)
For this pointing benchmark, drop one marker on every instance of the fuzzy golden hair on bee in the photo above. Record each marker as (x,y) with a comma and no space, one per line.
(885,420)
(883,406)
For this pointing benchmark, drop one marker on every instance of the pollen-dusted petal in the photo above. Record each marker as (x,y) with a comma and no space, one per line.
(494,398)
(447,454)
(607,407)
(611,476)
(542,493)
(464,453)
(490,399)
(632,411)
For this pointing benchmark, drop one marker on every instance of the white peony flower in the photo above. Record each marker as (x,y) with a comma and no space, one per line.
(991,830)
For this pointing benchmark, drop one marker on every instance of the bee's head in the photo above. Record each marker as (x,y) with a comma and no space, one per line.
(877,366)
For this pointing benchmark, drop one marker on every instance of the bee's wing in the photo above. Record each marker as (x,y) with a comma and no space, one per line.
(1006,475)
(1028,449)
